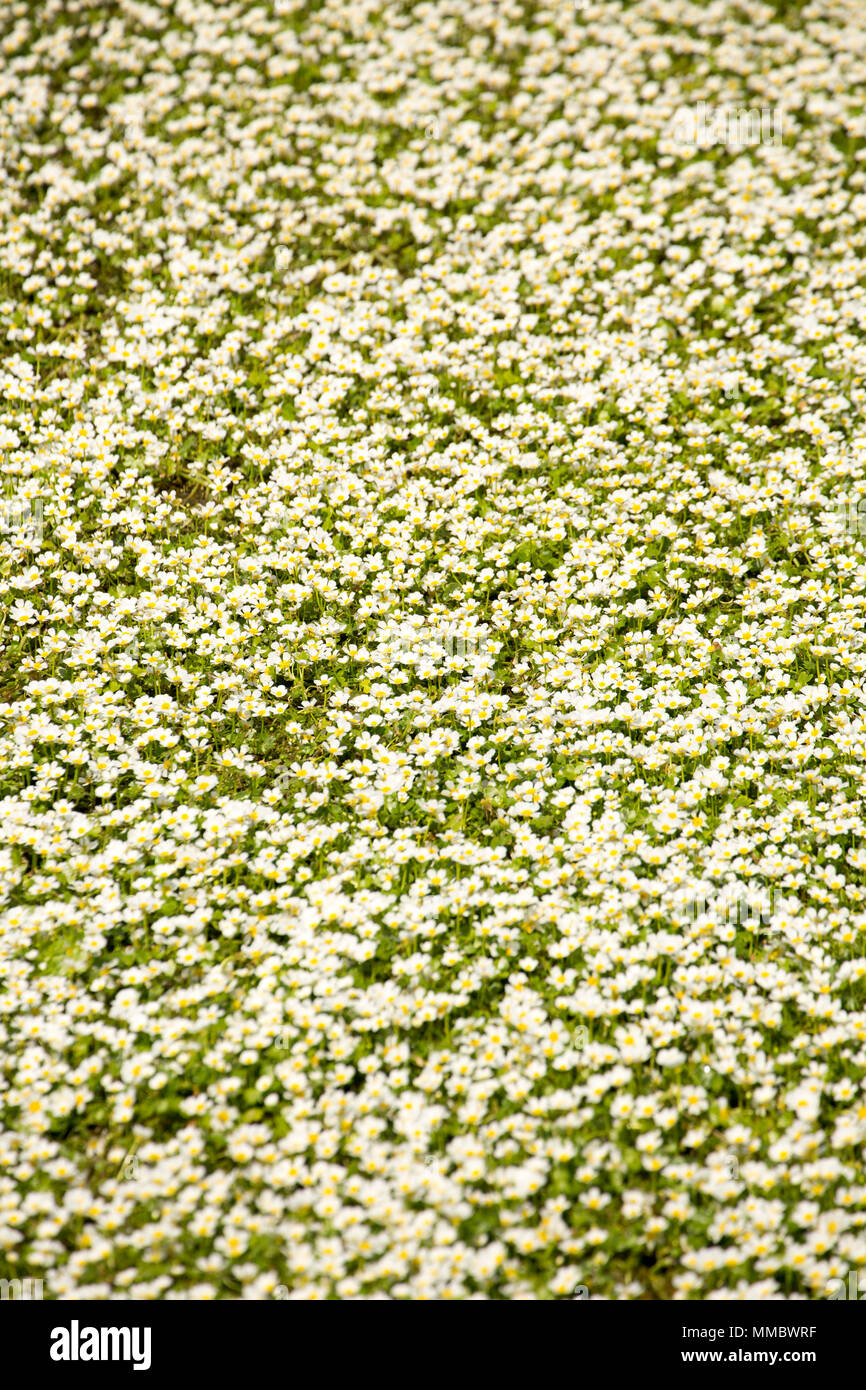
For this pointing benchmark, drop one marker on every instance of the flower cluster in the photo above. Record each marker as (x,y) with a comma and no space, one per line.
(444,580)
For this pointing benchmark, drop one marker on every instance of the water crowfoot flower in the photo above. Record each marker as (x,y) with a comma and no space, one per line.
(433,616)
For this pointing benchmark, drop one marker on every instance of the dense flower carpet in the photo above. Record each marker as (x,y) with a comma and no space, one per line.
(433,610)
